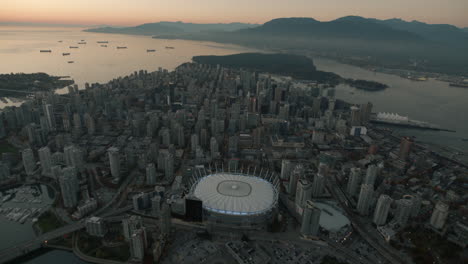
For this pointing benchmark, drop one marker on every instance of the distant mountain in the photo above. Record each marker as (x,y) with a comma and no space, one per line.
(442,33)
(172,28)
(32,24)
(344,28)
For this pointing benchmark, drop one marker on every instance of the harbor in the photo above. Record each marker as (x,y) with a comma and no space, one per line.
(24,204)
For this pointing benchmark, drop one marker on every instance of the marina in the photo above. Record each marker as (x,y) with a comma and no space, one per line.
(22,204)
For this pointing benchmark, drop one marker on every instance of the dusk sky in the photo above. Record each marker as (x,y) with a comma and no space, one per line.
(133,12)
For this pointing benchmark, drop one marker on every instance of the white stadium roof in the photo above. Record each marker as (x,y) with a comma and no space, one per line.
(235,194)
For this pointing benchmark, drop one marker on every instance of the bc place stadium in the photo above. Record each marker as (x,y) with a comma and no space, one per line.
(237,199)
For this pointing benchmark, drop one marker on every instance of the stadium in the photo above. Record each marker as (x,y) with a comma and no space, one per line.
(237,199)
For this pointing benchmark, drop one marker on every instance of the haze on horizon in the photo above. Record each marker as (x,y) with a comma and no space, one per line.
(134,12)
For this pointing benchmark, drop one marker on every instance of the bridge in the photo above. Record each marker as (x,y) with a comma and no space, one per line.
(11,253)
(19,250)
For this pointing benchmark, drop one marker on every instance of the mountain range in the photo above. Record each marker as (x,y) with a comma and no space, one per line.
(392,43)
(172,28)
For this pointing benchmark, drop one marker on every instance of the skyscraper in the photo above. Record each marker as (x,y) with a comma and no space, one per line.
(381,209)
(69,187)
(355,116)
(371,174)
(303,192)
(49,113)
(131,224)
(46,161)
(138,244)
(318,184)
(310,219)
(151,174)
(403,211)
(365,197)
(439,215)
(405,147)
(29,162)
(214,148)
(114,160)
(295,175)
(95,226)
(169,167)
(354,181)
(286,169)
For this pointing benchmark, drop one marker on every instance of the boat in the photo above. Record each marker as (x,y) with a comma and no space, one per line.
(103,41)
(65,54)
(459,84)
(82,42)
(170,47)
(121,47)
(73,47)
(150,50)
(46,51)
(70,61)
(60,41)
(105,46)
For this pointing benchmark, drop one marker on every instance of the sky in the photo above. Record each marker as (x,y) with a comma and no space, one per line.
(134,12)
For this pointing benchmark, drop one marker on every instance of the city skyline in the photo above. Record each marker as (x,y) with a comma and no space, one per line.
(130,13)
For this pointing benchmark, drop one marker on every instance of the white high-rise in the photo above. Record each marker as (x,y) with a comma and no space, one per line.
(151,174)
(46,161)
(303,192)
(138,244)
(403,211)
(439,215)
(69,187)
(371,174)
(354,181)
(114,161)
(131,224)
(381,209)
(318,185)
(29,162)
(310,219)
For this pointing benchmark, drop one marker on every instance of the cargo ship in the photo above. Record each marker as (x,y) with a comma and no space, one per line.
(121,47)
(81,42)
(65,54)
(71,62)
(73,47)
(105,46)
(103,42)
(150,50)
(46,51)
